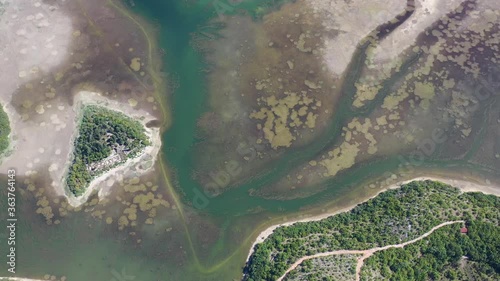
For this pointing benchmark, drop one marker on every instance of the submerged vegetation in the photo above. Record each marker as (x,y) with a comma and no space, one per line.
(393,217)
(106,139)
(4,131)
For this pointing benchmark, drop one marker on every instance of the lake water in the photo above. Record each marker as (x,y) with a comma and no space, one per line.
(205,237)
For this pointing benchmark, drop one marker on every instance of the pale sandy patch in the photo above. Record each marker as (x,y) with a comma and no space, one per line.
(427,12)
(353,21)
(35,38)
(31,33)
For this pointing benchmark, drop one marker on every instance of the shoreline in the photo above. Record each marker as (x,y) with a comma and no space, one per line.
(85,98)
(463,185)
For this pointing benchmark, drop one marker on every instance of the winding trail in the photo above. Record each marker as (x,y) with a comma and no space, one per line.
(366,253)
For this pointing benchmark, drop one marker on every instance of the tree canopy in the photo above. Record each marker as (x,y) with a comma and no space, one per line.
(100,133)
(393,217)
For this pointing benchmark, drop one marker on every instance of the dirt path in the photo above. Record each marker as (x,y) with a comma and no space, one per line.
(366,253)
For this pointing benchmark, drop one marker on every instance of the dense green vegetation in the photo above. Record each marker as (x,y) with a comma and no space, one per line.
(393,217)
(439,256)
(4,131)
(101,133)
(338,267)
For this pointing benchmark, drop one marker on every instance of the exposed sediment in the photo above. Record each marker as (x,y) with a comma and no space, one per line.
(431,92)
(140,164)
(89,50)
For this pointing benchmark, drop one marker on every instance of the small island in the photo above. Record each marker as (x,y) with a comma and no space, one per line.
(105,140)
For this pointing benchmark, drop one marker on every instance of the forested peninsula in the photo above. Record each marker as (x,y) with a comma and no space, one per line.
(454,252)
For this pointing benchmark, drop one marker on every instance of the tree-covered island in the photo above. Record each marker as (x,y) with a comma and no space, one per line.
(105,139)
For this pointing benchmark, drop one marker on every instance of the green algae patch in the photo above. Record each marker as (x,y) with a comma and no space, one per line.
(4,131)
(106,139)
